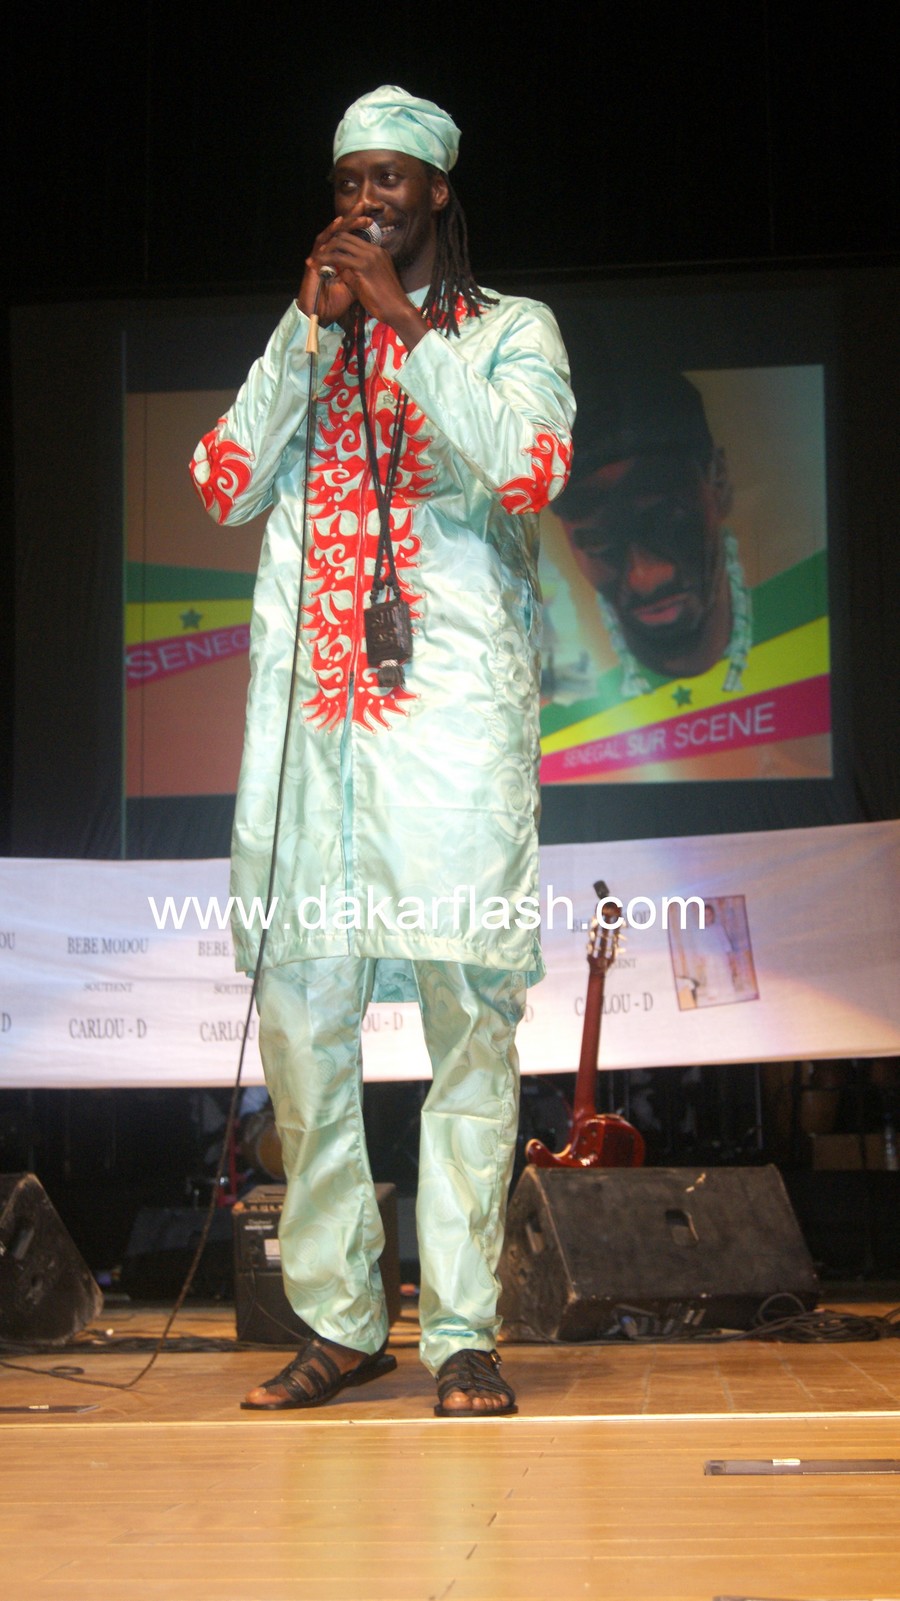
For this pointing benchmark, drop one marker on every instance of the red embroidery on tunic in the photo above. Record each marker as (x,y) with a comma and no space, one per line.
(228,472)
(344,535)
(550,458)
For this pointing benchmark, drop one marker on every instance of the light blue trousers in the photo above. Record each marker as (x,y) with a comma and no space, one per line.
(331,1236)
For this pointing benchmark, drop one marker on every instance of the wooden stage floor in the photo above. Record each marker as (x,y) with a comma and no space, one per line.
(596,1489)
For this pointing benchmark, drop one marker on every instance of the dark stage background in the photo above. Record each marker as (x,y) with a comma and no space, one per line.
(165,155)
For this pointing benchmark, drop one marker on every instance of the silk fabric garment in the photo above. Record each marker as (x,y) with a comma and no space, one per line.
(330,1232)
(393,800)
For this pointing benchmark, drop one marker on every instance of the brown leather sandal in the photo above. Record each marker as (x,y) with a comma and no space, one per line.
(324,1379)
(475,1373)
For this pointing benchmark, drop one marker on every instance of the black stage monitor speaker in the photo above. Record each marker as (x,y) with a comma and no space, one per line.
(263,1313)
(47,1292)
(595,1252)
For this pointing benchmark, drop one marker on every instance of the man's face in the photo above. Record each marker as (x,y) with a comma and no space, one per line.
(646,532)
(399,193)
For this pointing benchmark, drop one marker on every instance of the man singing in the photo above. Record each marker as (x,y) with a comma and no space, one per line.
(402,739)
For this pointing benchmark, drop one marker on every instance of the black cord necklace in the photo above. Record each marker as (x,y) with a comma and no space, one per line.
(387,622)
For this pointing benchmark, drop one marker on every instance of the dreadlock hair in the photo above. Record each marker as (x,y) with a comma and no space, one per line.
(452,279)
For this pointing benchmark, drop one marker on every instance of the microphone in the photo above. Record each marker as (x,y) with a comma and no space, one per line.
(371,235)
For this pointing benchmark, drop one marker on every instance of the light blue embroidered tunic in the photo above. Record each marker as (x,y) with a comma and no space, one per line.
(409,817)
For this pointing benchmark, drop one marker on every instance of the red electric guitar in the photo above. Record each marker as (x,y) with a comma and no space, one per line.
(597,1139)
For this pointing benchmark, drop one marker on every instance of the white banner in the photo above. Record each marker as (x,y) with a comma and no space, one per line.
(120,973)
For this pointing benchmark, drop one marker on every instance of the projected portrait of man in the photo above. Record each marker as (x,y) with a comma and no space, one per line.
(684,574)
(645,514)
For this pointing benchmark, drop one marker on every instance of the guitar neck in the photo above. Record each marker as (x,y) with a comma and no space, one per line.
(585,1102)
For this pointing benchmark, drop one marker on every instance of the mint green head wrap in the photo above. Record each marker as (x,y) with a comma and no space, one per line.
(391,119)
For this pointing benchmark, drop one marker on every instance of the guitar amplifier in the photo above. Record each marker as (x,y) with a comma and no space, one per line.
(263,1314)
(592,1253)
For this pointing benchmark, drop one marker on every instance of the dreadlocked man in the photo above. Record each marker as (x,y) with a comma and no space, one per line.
(388,791)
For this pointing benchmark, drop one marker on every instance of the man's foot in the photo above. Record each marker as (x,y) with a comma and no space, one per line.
(318,1372)
(470,1386)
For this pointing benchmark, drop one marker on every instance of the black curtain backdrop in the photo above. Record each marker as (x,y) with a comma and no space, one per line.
(191,150)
